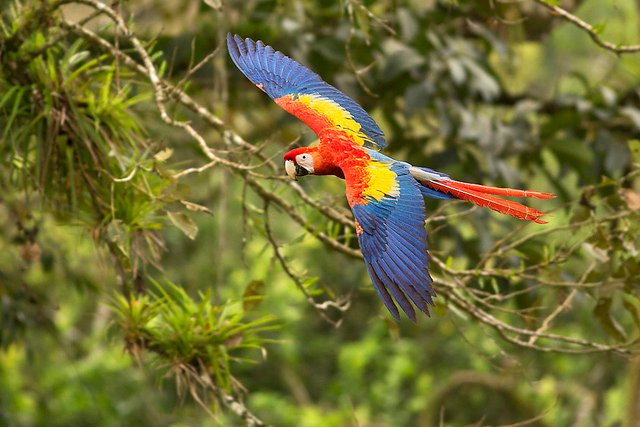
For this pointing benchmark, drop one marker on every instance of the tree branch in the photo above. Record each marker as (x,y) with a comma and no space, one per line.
(588,28)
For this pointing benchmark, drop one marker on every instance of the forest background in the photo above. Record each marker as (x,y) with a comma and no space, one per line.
(157,269)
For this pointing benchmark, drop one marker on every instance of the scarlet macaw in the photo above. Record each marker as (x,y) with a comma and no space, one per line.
(385,195)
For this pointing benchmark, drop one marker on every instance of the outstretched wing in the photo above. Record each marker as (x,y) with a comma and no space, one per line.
(303,93)
(389,212)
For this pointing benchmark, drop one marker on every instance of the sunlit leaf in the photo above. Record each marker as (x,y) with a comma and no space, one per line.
(634,148)
(164,155)
(184,223)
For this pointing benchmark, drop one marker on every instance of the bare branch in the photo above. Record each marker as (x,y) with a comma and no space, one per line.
(340,305)
(588,28)
(512,333)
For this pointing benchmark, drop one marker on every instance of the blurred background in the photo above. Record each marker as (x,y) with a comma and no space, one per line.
(146,280)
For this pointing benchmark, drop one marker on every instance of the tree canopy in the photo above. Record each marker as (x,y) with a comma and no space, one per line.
(158,267)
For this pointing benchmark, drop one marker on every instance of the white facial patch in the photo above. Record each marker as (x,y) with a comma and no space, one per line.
(306,161)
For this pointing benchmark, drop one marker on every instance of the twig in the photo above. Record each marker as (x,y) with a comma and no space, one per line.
(547,321)
(504,329)
(290,210)
(240,410)
(341,306)
(158,87)
(205,114)
(588,28)
(371,15)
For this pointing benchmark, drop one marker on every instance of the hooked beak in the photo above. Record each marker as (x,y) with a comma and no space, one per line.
(294,170)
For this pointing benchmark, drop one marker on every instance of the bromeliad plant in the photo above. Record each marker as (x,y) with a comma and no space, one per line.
(194,339)
(72,141)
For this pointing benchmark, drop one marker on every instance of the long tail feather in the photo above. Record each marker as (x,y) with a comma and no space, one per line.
(499,191)
(480,195)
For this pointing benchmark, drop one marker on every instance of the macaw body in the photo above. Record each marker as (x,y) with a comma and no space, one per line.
(385,195)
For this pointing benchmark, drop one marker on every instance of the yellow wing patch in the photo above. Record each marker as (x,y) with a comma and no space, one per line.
(337,115)
(382,181)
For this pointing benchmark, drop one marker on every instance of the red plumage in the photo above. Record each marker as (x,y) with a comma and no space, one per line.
(499,191)
(481,196)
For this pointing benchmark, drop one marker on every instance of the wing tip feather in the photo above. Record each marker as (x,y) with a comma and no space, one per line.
(280,75)
(398,293)
(383,293)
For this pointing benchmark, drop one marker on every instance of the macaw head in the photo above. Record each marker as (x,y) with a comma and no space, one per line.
(299,162)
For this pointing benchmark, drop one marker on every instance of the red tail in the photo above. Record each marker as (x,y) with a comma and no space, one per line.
(480,195)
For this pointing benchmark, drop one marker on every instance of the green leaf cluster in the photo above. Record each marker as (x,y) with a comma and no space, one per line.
(119,229)
(194,338)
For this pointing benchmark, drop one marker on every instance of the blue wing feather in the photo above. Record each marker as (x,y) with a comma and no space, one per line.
(278,75)
(394,244)
(383,293)
(392,285)
(405,278)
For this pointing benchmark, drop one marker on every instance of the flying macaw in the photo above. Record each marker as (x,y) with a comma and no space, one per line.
(385,195)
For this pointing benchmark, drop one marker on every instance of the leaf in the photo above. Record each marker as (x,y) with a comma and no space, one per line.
(457,71)
(416,97)
(616,157)
(634,148)
(630,303)
(363,22)
(163,155)
(78,57)
(253,295)
(400,59)
(176,192)
(184,223)
(608,322)
(449,262)
(632,197)
(116,232)
(194,207)
(633,114)
(408,24)
(573,152)
(599,28)
(234,341)
(214,4)
(580,213)
(608,96)
(481,80)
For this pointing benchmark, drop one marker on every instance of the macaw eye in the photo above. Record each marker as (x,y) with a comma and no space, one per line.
(304,157)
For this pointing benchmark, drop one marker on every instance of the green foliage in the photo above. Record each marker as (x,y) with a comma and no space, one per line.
(195,338)
(128,167)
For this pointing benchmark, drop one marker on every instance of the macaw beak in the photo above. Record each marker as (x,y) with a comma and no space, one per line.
(290,168)
(294,170)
